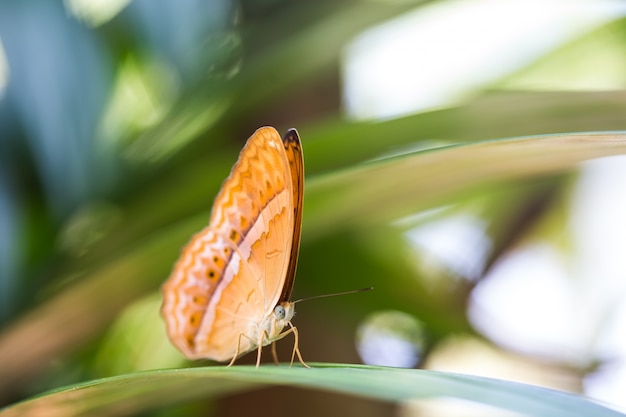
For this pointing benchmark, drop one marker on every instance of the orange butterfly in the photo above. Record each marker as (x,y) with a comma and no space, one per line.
(229,292)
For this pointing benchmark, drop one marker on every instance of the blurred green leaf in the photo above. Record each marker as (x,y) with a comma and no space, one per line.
(405,184)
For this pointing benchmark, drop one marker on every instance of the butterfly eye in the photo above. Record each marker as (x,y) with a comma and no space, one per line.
(279,312)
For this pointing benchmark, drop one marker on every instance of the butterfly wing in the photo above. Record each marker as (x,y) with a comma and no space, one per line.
(234,272)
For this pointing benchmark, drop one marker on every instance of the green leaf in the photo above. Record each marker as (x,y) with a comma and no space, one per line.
(132,393)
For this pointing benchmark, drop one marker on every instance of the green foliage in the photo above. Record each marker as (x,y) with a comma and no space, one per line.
(115,138)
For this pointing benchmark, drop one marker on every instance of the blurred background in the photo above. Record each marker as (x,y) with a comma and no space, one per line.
(120,119)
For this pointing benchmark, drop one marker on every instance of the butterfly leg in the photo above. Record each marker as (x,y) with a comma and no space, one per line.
(263,336)
(232,361)
(296,349)
(258,352)
(238,350)
(274,354)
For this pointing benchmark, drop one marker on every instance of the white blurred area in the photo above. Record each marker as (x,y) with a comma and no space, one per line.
(390,338)
(4,70)
(441,53)
(95,12)
(569,308)
(565,305)
(452,407)
(443,243)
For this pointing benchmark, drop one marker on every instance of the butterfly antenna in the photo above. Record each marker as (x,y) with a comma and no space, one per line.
(334,294)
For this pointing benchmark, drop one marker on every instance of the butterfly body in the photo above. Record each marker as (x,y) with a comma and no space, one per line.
(229,292)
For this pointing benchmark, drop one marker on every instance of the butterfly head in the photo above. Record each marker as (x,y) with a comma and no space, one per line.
(274,324)
(284,312)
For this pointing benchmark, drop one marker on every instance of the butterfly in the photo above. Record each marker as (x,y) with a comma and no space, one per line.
(229,292)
